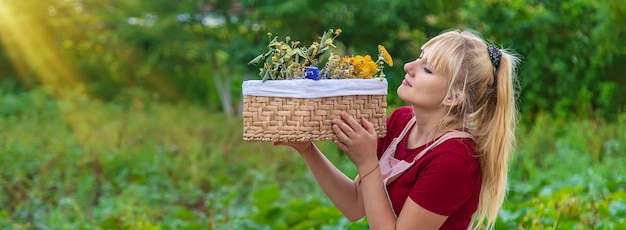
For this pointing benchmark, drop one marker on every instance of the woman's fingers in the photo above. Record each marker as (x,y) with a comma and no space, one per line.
(368,126)
(338,128)
(343,127)
(355,137)
(348,124)
(341,145)
(353,123)
(349,129)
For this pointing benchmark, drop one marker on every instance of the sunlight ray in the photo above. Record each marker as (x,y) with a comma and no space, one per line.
(32,46)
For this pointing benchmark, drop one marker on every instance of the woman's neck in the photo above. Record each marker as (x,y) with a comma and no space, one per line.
(426,127)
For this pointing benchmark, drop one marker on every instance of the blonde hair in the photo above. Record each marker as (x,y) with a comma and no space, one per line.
(486,107)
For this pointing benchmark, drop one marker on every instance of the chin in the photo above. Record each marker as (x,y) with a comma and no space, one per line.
(401,93)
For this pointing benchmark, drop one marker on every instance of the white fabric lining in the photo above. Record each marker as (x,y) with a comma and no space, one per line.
(306,88)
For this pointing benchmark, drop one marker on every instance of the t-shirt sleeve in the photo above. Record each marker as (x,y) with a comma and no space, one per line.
(445,184)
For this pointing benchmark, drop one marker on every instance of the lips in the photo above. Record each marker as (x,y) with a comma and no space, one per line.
(405,82)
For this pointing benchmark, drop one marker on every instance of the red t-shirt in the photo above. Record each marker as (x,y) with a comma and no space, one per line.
(446,180)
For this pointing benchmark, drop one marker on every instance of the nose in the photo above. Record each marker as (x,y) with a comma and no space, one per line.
(407,66)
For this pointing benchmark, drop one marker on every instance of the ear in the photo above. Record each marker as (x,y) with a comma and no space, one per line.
(454,98)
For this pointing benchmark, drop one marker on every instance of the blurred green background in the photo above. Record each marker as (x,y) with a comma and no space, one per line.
(124,114)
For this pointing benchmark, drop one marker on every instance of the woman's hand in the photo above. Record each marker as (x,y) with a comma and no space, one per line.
(301,147)
(357,139)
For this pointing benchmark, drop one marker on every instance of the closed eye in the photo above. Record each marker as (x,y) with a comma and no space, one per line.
(427,71)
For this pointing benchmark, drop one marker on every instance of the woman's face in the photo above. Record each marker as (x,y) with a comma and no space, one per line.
(422,86)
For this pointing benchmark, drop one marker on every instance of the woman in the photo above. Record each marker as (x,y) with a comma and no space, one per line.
(443,163)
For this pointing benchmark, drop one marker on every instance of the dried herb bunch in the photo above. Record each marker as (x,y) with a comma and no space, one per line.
(287,60)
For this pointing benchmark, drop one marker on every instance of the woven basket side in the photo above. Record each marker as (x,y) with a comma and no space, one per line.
(304,119)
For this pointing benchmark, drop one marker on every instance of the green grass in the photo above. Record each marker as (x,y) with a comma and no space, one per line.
(71,162)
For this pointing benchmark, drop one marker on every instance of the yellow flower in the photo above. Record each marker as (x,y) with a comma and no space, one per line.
(364,67)
(359,66)
(385,55)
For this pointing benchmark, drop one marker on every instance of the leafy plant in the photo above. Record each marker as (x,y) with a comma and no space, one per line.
(162,166)
(287,59)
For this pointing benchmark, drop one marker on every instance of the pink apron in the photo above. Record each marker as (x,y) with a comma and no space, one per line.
(392,168)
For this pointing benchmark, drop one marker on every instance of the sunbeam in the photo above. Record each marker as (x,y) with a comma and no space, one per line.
(33,49)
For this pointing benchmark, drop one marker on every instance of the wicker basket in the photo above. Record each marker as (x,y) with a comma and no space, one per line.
(287,119)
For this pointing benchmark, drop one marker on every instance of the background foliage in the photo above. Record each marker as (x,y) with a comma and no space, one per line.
(113,112)
(81,163)
(197,50)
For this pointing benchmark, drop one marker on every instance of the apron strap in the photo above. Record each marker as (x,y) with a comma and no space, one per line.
(443,138)
(394,174)
(391,148)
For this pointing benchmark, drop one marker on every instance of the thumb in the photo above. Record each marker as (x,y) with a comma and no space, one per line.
(368,126)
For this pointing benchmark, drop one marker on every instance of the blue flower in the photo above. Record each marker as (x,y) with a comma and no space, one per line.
(312,73)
